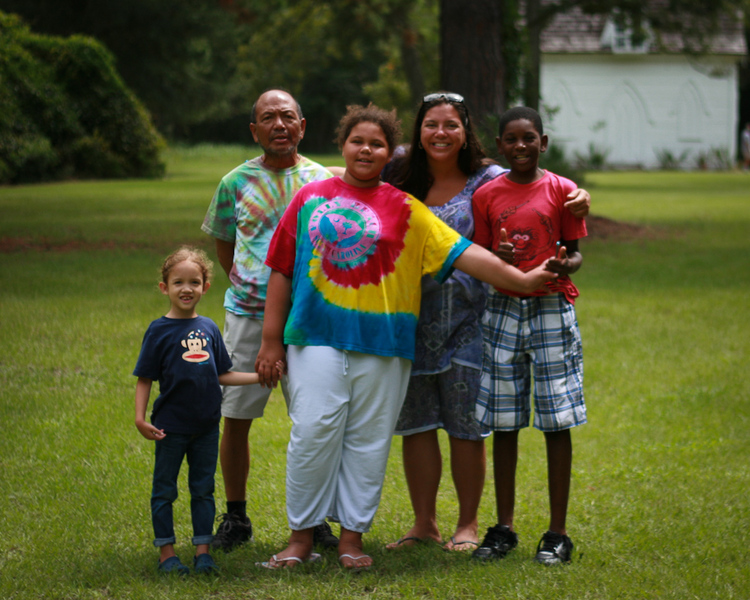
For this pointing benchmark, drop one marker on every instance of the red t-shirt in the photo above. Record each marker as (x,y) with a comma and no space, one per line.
(535,219)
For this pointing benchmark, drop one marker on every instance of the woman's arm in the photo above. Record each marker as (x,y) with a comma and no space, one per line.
(485,266)
(278,302)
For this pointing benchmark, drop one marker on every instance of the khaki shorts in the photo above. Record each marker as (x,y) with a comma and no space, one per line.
(242,337)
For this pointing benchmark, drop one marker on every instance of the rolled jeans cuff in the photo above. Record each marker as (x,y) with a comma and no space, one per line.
(202,539)
(159,542)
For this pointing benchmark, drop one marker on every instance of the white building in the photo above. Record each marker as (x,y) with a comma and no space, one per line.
(640,104)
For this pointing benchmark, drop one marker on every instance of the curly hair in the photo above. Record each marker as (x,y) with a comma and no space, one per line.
(194,255)
(412,173)
(356,114)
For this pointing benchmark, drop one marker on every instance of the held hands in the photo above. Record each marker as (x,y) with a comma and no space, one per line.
(271,363)
(149,431)
(505,249)
(540,275)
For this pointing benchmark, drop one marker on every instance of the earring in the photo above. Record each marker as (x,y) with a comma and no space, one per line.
(419,145)
(466,145)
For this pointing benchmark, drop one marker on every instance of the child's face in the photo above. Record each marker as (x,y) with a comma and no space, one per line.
(521,146)
(185,287)
(365,152)
(442,133)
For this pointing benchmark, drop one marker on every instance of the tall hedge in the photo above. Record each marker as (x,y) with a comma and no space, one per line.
(66,113)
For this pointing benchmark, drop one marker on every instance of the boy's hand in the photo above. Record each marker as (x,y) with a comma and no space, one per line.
(579,203)
(149,431)
(505,249)
(561,264)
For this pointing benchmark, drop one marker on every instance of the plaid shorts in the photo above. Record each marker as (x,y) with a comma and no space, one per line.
(538,331)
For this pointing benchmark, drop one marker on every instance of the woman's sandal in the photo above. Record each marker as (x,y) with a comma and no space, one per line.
(355,568)
(287,562)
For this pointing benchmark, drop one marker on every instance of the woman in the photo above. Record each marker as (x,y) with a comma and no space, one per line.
(443,167)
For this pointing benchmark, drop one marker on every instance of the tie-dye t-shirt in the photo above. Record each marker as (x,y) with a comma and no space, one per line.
(246,210)
(356,257)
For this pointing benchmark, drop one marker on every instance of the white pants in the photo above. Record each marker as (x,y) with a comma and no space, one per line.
(344,407)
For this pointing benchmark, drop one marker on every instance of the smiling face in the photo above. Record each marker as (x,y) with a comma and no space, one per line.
(365,152)
(184,287)
(442,133)
(521,145)
(278,128)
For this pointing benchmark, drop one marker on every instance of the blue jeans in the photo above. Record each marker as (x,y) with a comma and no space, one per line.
(202,451)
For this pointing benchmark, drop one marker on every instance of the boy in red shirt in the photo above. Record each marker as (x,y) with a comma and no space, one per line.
(521,216)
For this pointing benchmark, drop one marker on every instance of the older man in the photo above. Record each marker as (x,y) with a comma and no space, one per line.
(242,217)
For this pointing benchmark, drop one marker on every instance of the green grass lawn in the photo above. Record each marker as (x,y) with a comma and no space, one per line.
(660,505)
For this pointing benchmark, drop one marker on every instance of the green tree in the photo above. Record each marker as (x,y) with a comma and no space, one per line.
(65,112)
(331,54)
(178,56)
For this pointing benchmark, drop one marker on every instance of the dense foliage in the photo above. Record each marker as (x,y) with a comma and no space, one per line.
(178,56)
(65,112)
(197,65)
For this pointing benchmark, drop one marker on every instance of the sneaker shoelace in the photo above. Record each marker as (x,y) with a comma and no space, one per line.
(497,535)
(550,542)
(230,527)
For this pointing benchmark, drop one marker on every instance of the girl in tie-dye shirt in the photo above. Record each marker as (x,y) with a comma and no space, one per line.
(344,295)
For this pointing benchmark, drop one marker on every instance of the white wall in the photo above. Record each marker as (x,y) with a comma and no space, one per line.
(636,105)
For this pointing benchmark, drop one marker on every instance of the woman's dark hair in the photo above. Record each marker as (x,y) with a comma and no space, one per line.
(411,174)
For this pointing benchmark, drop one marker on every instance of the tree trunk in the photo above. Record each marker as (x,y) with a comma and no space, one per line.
(532,65)
(472,56)
(411,64)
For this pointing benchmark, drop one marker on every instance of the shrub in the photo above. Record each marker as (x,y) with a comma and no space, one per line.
(714,159)
(669,161)
(595,160)
(554,159)
(28,158)
(65,112)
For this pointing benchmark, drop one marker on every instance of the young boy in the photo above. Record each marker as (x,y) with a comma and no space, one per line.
(521,217)
(185,353)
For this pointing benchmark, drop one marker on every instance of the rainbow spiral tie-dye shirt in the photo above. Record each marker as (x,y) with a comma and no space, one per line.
(356,257)
(246,209)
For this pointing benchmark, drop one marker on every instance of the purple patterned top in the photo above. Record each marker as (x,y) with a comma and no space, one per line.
(450,319)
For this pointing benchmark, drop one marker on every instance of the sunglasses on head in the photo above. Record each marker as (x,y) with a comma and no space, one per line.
(444,96)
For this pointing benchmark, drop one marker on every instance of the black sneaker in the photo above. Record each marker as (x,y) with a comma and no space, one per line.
(499,540)
(232,532)
(554,549)
(323,536)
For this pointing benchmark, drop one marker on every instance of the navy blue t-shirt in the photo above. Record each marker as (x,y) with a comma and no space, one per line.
(186,357)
